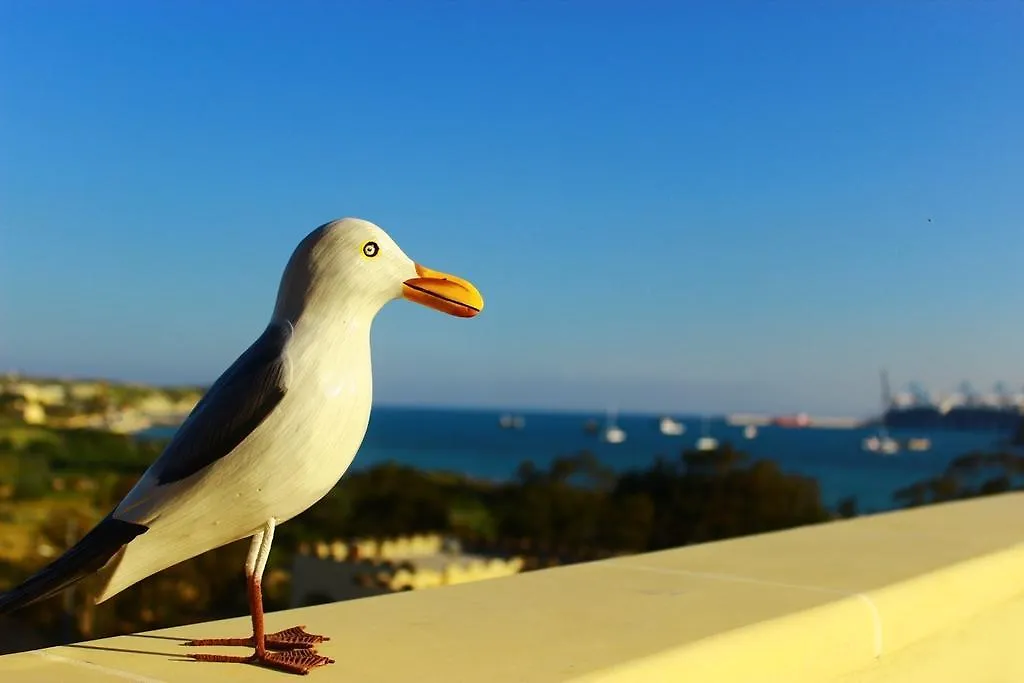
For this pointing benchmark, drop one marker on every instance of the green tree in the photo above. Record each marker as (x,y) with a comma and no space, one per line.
(32,477)
(973,474)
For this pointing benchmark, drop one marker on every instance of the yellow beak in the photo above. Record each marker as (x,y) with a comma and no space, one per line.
(443,292)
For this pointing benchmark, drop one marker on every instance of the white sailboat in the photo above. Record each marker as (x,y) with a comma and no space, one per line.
(510,421)
(750,432)
(881,442)
(670,427)
(612,432)
(706,442)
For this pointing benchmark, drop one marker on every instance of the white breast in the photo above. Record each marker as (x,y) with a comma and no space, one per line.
(323,421)
(286,465)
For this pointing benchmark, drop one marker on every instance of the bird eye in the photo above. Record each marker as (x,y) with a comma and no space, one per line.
(370,249)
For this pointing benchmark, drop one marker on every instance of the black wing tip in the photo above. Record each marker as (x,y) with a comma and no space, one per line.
(84,558)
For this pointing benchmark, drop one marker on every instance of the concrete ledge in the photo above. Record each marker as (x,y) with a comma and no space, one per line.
(848,601)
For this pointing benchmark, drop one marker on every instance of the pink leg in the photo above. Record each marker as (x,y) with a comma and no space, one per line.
(294,638)
(290,650)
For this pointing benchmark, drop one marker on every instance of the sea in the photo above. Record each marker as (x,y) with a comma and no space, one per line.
(471,442)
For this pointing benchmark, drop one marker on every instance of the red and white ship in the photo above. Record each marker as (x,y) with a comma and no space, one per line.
(792,421)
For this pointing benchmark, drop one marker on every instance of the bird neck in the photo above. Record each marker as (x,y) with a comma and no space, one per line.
(324,336)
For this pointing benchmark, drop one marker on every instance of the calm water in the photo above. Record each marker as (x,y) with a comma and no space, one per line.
(471,442)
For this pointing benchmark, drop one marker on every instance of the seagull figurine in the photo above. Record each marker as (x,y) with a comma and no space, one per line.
(269,439)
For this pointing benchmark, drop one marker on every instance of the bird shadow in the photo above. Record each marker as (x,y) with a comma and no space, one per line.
(174,638)
(170,655)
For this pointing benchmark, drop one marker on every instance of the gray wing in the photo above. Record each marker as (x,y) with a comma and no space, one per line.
(238,402)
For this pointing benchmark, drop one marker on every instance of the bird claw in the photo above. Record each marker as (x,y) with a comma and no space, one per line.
(294,638)
(296,661)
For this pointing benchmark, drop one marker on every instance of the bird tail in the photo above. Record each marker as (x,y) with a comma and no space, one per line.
(89,555)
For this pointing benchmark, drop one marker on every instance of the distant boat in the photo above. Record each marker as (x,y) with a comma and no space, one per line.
(670,427)
(797,421)
(919,445)
(612,432)
(706,442)
(881,442)
(750,432)
(509,421)
(963,411)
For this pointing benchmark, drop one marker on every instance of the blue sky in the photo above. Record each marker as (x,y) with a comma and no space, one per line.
(720,205)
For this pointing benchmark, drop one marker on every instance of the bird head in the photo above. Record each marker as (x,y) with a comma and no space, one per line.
(357,259)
